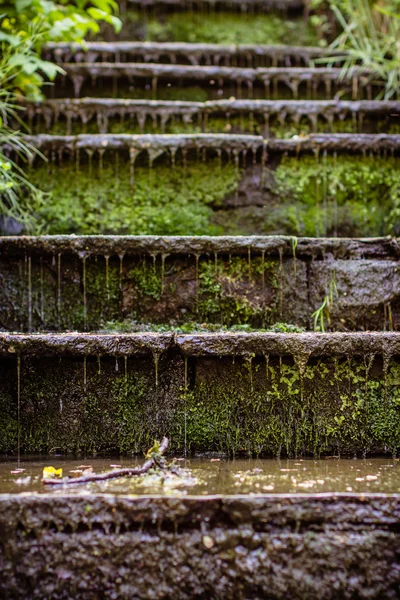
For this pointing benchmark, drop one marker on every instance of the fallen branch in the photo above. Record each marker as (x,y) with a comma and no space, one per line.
(155,458)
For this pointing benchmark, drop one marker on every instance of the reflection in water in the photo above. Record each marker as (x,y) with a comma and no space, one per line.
(214,476)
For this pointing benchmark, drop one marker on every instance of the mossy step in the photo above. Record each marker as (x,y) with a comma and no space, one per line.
(271,82)
(206,24)
(104,115)
(158,144)
(329,185)
(245,55)
(297,546)
(95,282)
(292,394)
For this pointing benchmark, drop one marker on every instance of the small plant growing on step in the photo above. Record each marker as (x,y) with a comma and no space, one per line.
(323,314)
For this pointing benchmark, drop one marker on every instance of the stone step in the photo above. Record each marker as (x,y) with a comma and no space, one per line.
(310,82)
(233,55)
(266,115)
(74,282)
(293,546)
(313,185)
(168,145)
(290,394)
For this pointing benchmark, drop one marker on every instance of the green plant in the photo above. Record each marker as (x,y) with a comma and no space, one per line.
(27,25)
(369,38)
(323,313)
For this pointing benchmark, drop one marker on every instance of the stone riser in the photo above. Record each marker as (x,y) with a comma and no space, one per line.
(274,394)
(241,115)
(242,55)
(303,548)
(252,149)
(220,82)
(69,283)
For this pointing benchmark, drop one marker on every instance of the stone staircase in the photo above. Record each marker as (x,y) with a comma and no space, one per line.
(279,341)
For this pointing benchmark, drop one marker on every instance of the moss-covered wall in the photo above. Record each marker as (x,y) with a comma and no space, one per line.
(311,196)
(217,28)
(131,293)
(251,405)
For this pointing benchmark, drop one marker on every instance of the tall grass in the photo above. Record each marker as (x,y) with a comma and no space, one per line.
(370,38)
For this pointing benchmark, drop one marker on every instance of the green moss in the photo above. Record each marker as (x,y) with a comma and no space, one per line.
(352,195)
(131,326)
(229,291)
(165,201)
(251,407)
(242,405)
(147,281)
(226,28)
(8,422)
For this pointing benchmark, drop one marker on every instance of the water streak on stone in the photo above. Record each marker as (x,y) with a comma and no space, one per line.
(107,258)
(59,290)
(19,406)
(280,250)
(29,293)
(41,291)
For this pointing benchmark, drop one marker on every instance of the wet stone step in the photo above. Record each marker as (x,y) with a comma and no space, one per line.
(315,185)
(116,79)
(277,394)
(232,55)
(320,539)
(111,282)
(269,117)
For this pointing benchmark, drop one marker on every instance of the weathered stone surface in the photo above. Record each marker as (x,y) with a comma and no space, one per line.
(301,547)
(271,394)
(79,283)
(360,289)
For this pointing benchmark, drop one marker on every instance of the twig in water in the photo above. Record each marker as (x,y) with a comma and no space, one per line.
(154,458)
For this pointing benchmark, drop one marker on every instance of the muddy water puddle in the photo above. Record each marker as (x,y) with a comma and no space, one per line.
(210,476)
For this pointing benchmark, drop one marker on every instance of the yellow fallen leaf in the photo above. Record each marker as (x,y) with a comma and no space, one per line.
(50,472)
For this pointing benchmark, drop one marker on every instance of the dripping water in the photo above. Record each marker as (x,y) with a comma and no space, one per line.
(266,358)
(249,262)
(29,293)
(19,406)
(107,258)
(98,364)
(249,360)
(41,291)
(59,290)
(186,389)
(197,282)
(156,358)
(263,271)
(121,260)
(84,292)
(84,372)
(280,281)
(163,257)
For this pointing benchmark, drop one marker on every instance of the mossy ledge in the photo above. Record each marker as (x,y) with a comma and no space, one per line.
(94,283)
(307,248)
(156,145)
(252,394)
(271,546)
(182,53)
(294,80)
(301,346)
(101,111)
